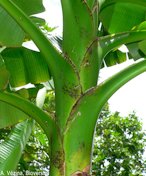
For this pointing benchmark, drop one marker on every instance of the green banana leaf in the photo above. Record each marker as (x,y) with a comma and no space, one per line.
(137,49)
(34,6)
(25,66)
(11,33)
(4,75)
(134,51)
(11,149)
(142,46)
(134,39)
(122,15)
(115,57)
(10,115)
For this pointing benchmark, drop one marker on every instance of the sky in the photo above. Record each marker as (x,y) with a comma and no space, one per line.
(132,96)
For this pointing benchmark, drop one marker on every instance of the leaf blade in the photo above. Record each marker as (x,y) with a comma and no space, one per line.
(12,148)
(25,66)
(12,34)
(118,11)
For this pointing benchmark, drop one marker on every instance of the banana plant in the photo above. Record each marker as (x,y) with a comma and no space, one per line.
(93,30)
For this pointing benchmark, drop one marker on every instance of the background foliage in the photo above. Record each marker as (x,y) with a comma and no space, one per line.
(119,145)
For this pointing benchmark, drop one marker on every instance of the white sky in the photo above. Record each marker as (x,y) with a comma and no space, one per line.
(53,15)
(132,96)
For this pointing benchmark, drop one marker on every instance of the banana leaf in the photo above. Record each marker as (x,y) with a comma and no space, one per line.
(25,66)
(11,34)
(11,149)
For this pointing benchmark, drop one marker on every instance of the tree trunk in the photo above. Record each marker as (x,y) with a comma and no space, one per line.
(71,154)
(76,164)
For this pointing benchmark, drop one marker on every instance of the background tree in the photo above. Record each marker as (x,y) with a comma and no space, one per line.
(119,145)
